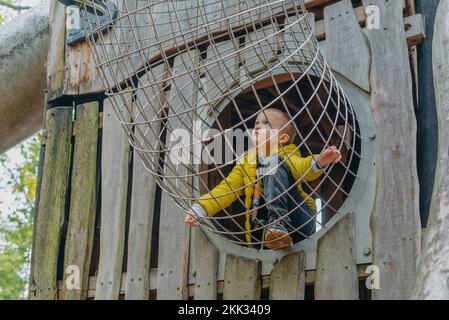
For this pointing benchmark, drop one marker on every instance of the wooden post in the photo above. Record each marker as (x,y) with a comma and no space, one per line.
(114,191)
(336,269)
(287,281)
(242,278)
(432,275)
(206,262)
(51,210)
(395,220)
(347,48)
(79,240)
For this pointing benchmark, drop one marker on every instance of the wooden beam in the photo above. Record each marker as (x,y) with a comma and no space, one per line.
(206,267)
(79,239)
(242,278)
(51,210)
(114,189)
(288,278)
(395,220)
(336,275)
(347,50)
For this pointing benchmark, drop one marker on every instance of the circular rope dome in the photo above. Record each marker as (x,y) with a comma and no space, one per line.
(187,80)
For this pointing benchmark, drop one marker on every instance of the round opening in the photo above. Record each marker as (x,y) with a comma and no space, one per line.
(322,118)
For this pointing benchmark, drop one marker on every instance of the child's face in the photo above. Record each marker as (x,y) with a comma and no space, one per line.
(266,129)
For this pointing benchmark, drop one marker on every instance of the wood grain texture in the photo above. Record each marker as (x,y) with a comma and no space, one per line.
(173,254)
(395,220)
(347,47)
(242,278)
(50,217)
(261,47)
(143,194)
(336,269)
(206,262)
(79,239)
(114,189)
(56,51)
(221,70)
(288,278)
(433,271)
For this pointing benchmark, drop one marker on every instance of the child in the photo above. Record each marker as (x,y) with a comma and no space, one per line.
(275,186)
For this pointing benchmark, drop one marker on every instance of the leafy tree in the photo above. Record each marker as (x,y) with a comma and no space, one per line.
(16,224)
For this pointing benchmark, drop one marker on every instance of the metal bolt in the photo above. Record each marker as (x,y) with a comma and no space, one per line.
(372,136)
(366,251)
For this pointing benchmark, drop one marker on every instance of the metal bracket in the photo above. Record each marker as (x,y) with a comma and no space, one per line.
(99,16)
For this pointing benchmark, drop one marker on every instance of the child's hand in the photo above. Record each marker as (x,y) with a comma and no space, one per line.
(191,219)
(330,155)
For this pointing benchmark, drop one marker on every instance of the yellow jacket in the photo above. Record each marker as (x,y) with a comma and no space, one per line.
(243,176)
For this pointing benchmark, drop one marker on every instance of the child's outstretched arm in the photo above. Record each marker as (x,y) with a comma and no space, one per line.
(222,196)
(312,167)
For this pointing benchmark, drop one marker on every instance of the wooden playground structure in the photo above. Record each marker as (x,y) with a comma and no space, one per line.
(99,209)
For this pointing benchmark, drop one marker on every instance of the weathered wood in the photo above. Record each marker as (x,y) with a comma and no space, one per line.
(143,195)
(40,170)
(336,269)
(261,48)
(265,280)
(119,43)
(206,262)
(288,278)
(242,278)
(55,58)
(347,47)
(50,216)
(294,37)
(432,274)
(114,188)
(174,236)
(79,240)
(221,72)
(395,219)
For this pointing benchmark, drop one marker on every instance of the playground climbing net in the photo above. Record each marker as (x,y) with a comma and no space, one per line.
(187,80)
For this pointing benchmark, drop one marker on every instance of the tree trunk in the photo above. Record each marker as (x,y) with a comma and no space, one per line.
(23,50)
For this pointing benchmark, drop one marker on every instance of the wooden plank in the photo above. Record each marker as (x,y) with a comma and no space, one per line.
(173,251)
(143,192)
(395,220)
(55,59)
(266,281)
(116,47)
(50,217)
(72,54)
(241,278)
(432,275)
(294,37)
(206,262)
(288,278)
(348,52)
(336,269)
(79,240)
(114,188)
(260,50)
(38,195)
(221,69)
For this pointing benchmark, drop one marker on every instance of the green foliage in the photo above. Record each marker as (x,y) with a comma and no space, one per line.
(16,225)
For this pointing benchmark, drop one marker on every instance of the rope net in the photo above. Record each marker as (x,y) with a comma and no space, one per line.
(188,79)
